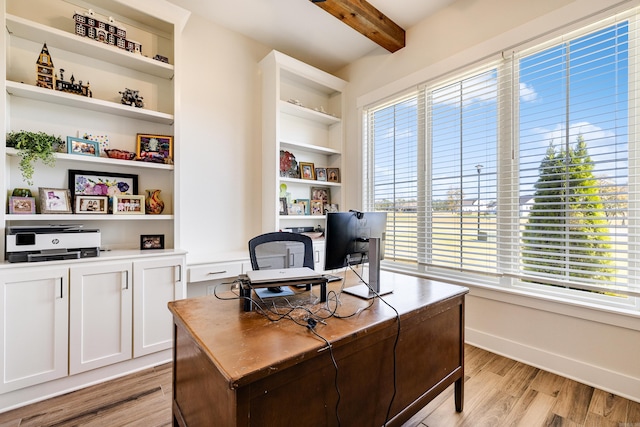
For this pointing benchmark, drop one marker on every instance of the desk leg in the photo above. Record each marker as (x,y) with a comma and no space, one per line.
(323,292)
(459,394)
(245,293)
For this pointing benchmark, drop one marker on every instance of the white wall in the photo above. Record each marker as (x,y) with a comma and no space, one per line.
(592,346)
(220,125)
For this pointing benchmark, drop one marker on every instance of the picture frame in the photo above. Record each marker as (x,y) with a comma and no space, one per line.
(321,174)
(151,241)
(321,193)
(128,204)
(307,205)
(19,205)
(284,208)
(333,174)
(91,204)
(296,209)
(101,183)
(317,207)
(54,200)
(154,148)
(331,208)
(83,147)
(307,171)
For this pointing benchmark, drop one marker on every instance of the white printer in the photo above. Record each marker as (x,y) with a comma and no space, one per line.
(51,242)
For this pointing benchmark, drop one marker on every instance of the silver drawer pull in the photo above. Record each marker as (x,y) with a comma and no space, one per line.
(218,272)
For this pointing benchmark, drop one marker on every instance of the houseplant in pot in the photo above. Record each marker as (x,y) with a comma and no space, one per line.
(32,146)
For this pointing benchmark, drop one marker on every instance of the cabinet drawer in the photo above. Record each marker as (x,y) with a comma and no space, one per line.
(215,271)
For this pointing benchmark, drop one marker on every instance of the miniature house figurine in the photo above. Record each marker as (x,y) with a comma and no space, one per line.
(44,69)
(87,25)
(71,86)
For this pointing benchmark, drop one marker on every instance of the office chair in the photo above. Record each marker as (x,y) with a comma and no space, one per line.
(281,250)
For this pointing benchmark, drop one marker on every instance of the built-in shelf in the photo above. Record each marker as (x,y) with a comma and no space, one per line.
(78,101)
(39,33)
(103,160)
(86,217)
(308,113)
(311,182)
(308,148)
(299,217)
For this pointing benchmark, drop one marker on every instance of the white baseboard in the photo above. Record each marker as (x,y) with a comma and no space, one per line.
(592,375)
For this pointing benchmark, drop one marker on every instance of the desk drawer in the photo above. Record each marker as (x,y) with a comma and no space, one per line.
(214,271)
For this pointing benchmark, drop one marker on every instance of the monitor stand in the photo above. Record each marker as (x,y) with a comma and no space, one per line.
(364,291)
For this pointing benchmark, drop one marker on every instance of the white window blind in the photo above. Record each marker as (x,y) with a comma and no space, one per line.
(574,166)
(527,169)
(463,168)
(394,182)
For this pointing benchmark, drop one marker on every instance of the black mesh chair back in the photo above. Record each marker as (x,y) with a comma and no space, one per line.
(280,250)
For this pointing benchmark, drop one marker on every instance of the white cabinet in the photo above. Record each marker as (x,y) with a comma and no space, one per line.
(318,255)
(100,315)
(301,114)
(156,25)
(155,283)
(33,326)
(76,317)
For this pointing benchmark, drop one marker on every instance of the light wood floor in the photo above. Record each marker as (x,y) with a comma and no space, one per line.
(498,392)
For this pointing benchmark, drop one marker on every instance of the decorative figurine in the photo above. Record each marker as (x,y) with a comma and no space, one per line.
(106,32)
(161,58)
(44,69)
(131,97)
(71,86)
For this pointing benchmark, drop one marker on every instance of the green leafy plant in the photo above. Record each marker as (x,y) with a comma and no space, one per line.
(32,146)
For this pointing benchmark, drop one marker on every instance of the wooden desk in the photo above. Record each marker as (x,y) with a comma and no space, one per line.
(236,368)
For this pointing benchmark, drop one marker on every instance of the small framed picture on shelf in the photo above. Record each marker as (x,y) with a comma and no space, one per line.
(22,205)
(331,208)
(317,207)
(321,193)
(151,241)
(284,206)
(84,147)
(307,170)
(321,174)
(54,200)
(333,174)
(306,204)
(101,183)
(92,204)
(125,204)
(296,209)
(154,148)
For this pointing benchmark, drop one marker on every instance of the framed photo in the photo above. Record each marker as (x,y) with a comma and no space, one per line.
(101,183)
(92,204)
(306,204)
(126,204)
(331,207)
(284,208)
(307,171)
(54,200)
(333,174)
(154,148)
(321,193)
(83,147)
(321,174)
(296,209)
(317,207)
(151,241)
(22,205)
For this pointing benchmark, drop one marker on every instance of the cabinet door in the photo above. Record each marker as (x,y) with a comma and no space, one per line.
(155,283)
(33,327)
(318,255)
(100,315)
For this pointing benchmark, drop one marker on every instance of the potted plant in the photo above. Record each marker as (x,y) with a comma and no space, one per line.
(32,146)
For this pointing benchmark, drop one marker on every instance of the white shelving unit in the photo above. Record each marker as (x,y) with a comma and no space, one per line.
(302,108)
(109,70)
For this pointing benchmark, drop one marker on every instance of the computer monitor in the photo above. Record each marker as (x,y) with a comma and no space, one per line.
(353,238)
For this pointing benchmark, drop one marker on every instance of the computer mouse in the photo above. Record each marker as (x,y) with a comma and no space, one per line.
(275,289)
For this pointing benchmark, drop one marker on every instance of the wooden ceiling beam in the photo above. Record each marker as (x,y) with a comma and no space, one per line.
(367,20)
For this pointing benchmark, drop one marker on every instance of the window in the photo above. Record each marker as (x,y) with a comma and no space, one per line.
(521,171)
